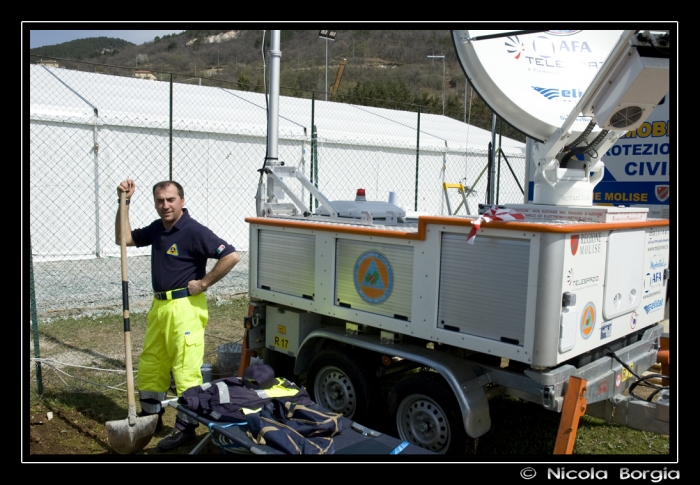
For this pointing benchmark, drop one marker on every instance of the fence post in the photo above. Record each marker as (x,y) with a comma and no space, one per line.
(96,183)
(489,180)
(170,131)
(492,167)
(34,323)
(415,203)
(498,172)
(313,171)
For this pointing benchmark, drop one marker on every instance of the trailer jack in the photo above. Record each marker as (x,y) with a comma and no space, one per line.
(246,354)
(573,408)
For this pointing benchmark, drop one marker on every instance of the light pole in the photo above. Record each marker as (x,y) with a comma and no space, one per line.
(327,35)
(443,80)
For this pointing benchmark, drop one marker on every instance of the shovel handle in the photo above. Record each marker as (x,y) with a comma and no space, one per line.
(125,304)
(125,274)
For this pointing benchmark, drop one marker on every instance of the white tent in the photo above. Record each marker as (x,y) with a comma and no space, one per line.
(88,131)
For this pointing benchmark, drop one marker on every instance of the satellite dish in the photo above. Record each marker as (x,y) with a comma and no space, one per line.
(534,79)
(573,90)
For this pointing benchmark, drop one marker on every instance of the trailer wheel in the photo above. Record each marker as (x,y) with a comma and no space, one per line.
(343,383)
(426,414)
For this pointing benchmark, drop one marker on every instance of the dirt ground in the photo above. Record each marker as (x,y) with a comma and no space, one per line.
(48,434)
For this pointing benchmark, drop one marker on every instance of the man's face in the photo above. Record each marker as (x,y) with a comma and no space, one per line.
(169,205)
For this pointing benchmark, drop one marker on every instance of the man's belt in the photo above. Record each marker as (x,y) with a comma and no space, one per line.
(171,294)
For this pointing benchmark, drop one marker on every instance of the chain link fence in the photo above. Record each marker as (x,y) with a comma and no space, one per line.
(92,126)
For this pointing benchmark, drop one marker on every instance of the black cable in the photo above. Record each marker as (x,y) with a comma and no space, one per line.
(599,138)
(592,152)
(590,149)
(640,380)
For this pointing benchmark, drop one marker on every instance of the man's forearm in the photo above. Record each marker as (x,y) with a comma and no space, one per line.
(118,228)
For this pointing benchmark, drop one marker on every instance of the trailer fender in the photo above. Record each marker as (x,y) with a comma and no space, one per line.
(468,388)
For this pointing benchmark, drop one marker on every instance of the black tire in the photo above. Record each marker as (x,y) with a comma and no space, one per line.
(283,365)
(343,383)
(425,413)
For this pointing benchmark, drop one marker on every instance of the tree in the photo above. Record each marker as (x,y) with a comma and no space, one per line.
(243,81)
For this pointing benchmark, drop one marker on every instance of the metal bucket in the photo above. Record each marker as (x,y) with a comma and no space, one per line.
(206,373)
(229,358)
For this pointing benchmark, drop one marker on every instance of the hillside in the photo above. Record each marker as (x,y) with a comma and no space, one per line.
(84,49)
(382,67)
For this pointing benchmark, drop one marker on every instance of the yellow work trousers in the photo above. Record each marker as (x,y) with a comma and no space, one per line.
(174,340)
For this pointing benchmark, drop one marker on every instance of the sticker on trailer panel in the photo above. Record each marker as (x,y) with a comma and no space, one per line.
(618,380)
(588,320)
(633,320)
(574,244)
(580,283)
(654,278)
(653,306)
(605,330)
(373,277)
(626,374)
(586,243)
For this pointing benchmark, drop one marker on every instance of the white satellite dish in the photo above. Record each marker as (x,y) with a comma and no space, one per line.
(533,80)
(575,91)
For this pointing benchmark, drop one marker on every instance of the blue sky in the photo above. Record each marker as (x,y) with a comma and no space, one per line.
(41,37)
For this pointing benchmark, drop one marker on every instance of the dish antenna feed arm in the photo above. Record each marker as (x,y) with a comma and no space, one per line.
(633,80)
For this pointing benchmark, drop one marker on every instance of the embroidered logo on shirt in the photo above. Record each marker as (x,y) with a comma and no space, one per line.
(173,250)
(220,248)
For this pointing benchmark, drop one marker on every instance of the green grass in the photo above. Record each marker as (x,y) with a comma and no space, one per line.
(597,437)
(525,428)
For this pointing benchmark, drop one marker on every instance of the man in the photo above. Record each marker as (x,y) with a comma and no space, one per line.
(180,248)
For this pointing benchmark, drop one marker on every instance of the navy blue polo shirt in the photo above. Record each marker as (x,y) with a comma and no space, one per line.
(180,254)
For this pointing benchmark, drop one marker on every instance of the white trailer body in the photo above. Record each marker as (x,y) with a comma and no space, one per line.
(501,295)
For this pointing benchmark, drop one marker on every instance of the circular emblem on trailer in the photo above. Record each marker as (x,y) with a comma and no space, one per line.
(633,320)
(373,276)
(588,320)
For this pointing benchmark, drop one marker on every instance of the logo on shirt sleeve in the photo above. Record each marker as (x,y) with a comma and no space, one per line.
(220,248)
(173,250)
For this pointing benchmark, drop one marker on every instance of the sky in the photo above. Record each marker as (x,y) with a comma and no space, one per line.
(40,38)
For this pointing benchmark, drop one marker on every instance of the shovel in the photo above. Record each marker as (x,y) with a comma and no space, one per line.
(132,434)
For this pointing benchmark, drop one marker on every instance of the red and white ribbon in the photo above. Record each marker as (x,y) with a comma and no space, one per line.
(493,214)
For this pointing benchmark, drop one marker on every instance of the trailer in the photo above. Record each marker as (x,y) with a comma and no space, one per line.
(520,299)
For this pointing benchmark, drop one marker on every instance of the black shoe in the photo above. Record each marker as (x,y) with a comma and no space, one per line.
(159,426)
(175,439)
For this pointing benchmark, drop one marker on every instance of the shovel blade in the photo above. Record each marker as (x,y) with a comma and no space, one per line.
(127,438)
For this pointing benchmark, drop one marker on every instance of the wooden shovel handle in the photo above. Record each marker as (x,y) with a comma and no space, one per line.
(125,304)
